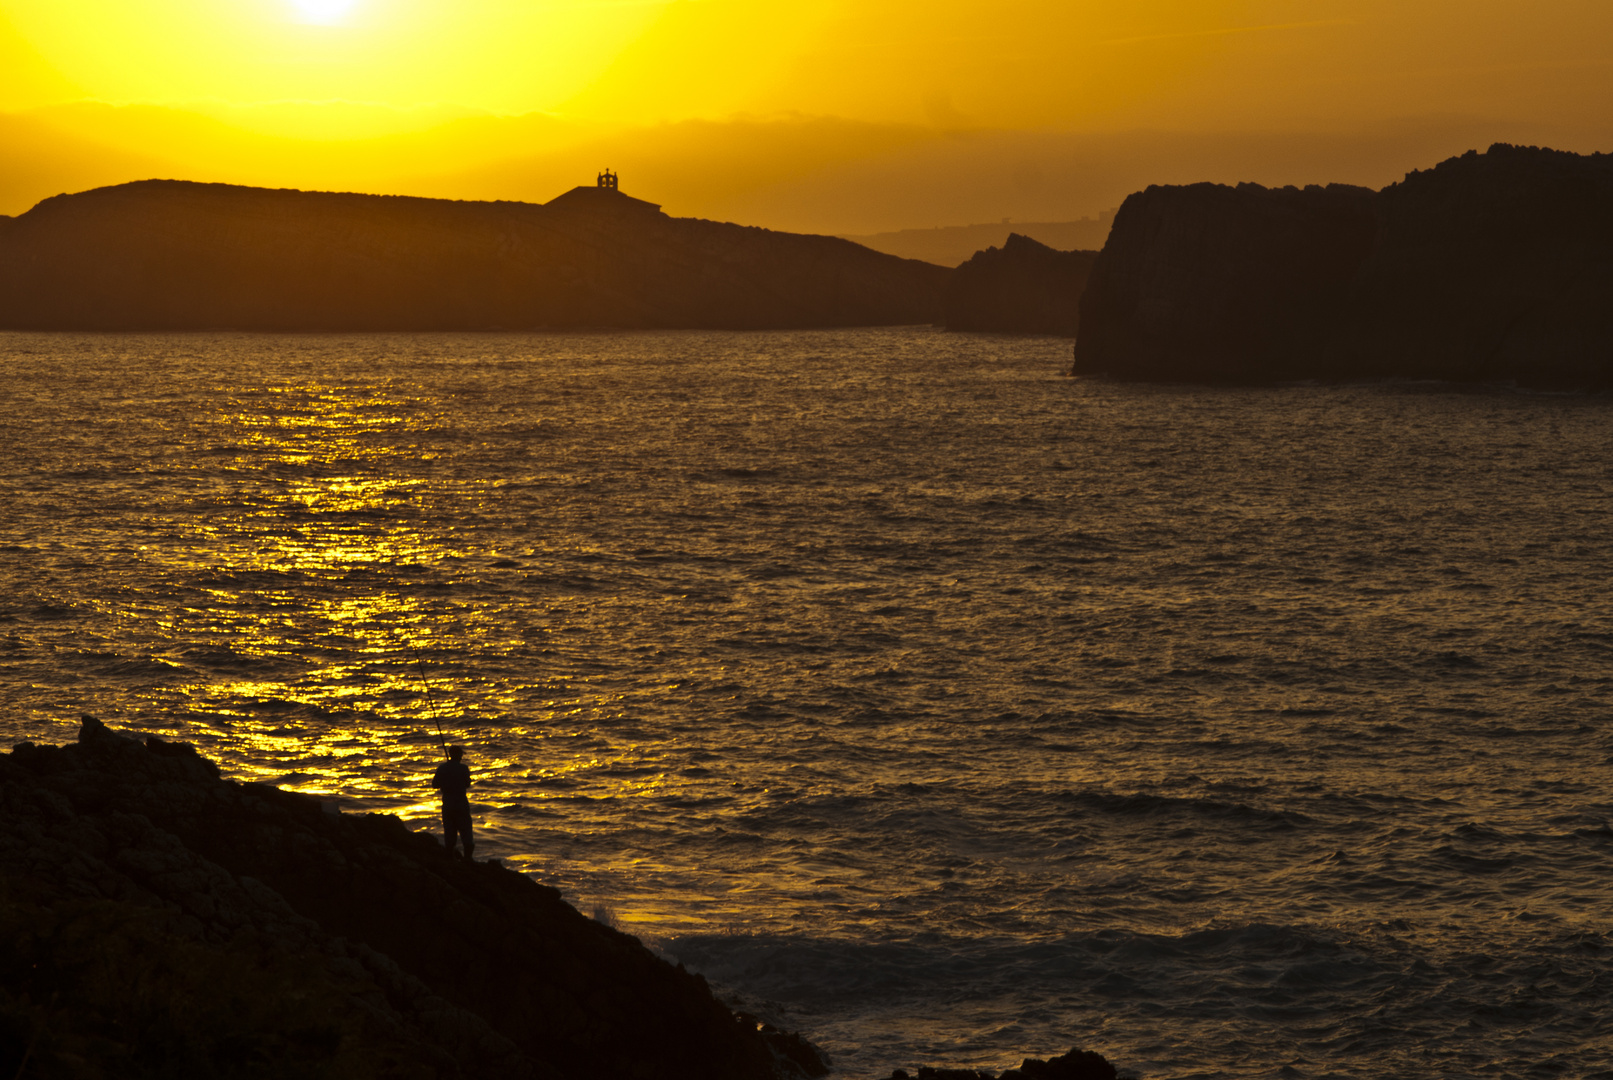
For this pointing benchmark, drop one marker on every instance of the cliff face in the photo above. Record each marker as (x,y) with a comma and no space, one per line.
(159,921)
(175,255)
(1022,287)
(1488,266)
(1215,282)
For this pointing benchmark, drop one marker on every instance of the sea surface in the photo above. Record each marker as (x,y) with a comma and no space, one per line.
(934,704)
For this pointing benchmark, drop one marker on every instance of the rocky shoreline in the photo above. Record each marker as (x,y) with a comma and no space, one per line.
(159,921)
(1078,1064)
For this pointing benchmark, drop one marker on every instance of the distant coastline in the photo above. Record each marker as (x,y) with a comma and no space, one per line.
(174,255)
(953,245)
(1022,287)
(1487,267)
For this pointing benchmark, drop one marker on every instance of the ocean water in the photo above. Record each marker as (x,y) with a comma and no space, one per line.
(933,704)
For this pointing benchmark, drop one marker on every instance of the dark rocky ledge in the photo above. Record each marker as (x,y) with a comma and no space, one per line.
(1487,267)
(158,921)
(1023,287)
(173,255)
(1078,1064)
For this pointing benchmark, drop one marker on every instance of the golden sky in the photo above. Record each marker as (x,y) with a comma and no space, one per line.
(839,115)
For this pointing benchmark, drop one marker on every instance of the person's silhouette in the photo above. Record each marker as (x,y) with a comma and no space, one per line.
(452,778)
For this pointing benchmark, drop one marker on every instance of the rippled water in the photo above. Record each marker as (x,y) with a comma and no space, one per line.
(936,705)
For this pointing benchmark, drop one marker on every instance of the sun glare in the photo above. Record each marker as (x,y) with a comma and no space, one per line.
(322,12)
(506,56)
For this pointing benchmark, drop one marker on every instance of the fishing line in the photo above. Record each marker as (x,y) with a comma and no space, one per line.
(431,703)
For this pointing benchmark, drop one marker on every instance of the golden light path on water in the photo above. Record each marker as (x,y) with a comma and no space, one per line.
(345,479)
(336,525)
(331,527)
(331,429)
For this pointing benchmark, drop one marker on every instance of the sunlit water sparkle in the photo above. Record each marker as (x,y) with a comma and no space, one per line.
(931,703)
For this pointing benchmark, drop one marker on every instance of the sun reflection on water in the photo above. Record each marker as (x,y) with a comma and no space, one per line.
(327,483)
(331,568)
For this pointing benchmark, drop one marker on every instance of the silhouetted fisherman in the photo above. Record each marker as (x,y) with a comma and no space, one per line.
(452,778)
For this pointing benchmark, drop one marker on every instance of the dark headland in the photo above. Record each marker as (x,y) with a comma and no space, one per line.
(1487,267)
(158,921)
(1023,287)
(174,255)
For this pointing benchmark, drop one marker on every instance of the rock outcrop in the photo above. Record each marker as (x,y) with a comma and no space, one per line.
(1023,287)
(1214,282)
(173,255)
(1078,1064)
(1494,266)
(158,921)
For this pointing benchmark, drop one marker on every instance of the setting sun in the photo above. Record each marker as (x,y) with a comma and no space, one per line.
(477,54)
(323,11)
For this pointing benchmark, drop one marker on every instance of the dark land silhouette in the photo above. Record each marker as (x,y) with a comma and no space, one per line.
(1022,287)
(174,255)
(1078,1064)
(159,921)
(1487,267)
(953,245)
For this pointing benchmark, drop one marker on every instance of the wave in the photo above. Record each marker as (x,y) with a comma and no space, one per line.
(140,669)
(1146,805)
(1356,1002)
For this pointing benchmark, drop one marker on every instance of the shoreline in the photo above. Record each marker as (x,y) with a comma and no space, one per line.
(163,919)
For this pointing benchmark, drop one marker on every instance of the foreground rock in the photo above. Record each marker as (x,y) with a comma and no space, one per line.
(1494,266)
(1023,287)
(157,921)
(170,255)
(1078,1064)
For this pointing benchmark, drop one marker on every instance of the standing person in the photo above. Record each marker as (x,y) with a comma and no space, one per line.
(452,778)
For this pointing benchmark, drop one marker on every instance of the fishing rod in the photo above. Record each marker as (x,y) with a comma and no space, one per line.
(431,704)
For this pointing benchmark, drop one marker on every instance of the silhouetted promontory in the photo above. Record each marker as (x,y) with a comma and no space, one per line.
(1078,1064)
(158,921)
(1493,266)
(164,254)
(1022,287)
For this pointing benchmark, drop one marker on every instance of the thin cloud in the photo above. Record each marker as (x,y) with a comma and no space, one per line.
(1224,31)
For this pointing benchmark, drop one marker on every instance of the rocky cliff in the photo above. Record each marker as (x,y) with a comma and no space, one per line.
(1215,282)
(1494,266)
(1022,287)
(158,921)
(173,255)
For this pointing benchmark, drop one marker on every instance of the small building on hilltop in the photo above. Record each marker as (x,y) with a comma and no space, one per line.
(605,196)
